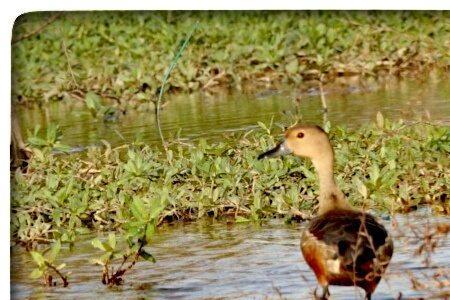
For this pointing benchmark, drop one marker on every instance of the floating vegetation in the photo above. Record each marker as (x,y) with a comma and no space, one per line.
(121,56)
(396,168)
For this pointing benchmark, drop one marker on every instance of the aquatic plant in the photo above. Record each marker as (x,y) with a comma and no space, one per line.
(51,139)
(165,79)
(122,56)
(395,167)
(107,112)
(45,265)
(138,231)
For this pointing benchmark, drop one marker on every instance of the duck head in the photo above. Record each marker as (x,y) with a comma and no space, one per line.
(308,141)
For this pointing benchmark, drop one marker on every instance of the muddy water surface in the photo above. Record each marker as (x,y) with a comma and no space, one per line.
(195,115)
(245,261)
(204,261)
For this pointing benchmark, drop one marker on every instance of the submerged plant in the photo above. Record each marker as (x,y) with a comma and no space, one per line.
(138,232)
(46,268)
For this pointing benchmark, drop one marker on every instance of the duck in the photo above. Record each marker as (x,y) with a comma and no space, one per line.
(342,244)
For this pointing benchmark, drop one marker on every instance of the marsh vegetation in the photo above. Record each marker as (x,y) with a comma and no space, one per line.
(118,194)
(122,56)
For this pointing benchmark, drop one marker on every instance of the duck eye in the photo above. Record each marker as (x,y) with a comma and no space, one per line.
(300,135)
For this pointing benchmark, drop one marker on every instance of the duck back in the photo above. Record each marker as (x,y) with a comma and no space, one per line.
(346,247)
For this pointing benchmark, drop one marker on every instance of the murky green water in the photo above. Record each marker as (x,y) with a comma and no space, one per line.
(219,261)
(190,116)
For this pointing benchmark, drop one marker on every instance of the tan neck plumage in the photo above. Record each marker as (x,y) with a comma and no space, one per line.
(330,196)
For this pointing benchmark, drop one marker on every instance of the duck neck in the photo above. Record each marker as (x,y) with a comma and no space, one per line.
(330,196)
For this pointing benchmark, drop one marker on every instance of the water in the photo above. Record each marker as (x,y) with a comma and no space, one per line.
(191,116)
(223,261)
(218,260)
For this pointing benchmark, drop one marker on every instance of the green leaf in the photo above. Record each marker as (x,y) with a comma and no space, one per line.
(37,141)
(362,189)
(307,173)
(106,257)
(36,273)
(156,210)
(52,132)
(292,67)
(374,173)
(327,127)
(147,256)
(61,147)
(138,209)
(112,240)
(97,261)
(263,126)
(380,120)
(92,101)
(54,251)
(38,258)
(240,219)
(98,244)
(321,29)
(150,230)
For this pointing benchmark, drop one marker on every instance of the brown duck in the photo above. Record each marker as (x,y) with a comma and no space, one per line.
(342,245)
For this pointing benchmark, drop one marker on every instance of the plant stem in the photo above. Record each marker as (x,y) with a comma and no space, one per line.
(63,278)
(324,102)
(38,29)
(322,97)
(69,67)
(166,78)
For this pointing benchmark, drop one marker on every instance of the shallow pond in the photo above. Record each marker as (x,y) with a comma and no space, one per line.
(190,116)
(219,260)
(216,260)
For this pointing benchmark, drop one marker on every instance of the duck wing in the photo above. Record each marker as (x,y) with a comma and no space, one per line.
(355,241)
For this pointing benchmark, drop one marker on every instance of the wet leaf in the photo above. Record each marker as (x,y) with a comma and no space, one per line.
(240,219)
(112,240)
(147,256)
(54,251)
(36,273)
(380,120)
(98,244)
(362,189)
(38,258)
(92,101)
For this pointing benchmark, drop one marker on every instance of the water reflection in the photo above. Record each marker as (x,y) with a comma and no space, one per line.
(189,116)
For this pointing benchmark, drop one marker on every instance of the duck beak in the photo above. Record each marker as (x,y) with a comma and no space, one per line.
(280,149)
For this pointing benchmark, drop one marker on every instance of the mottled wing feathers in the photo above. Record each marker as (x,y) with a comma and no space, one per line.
(345,225)
(358,241)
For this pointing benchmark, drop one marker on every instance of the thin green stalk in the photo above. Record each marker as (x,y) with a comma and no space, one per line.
(166,78)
